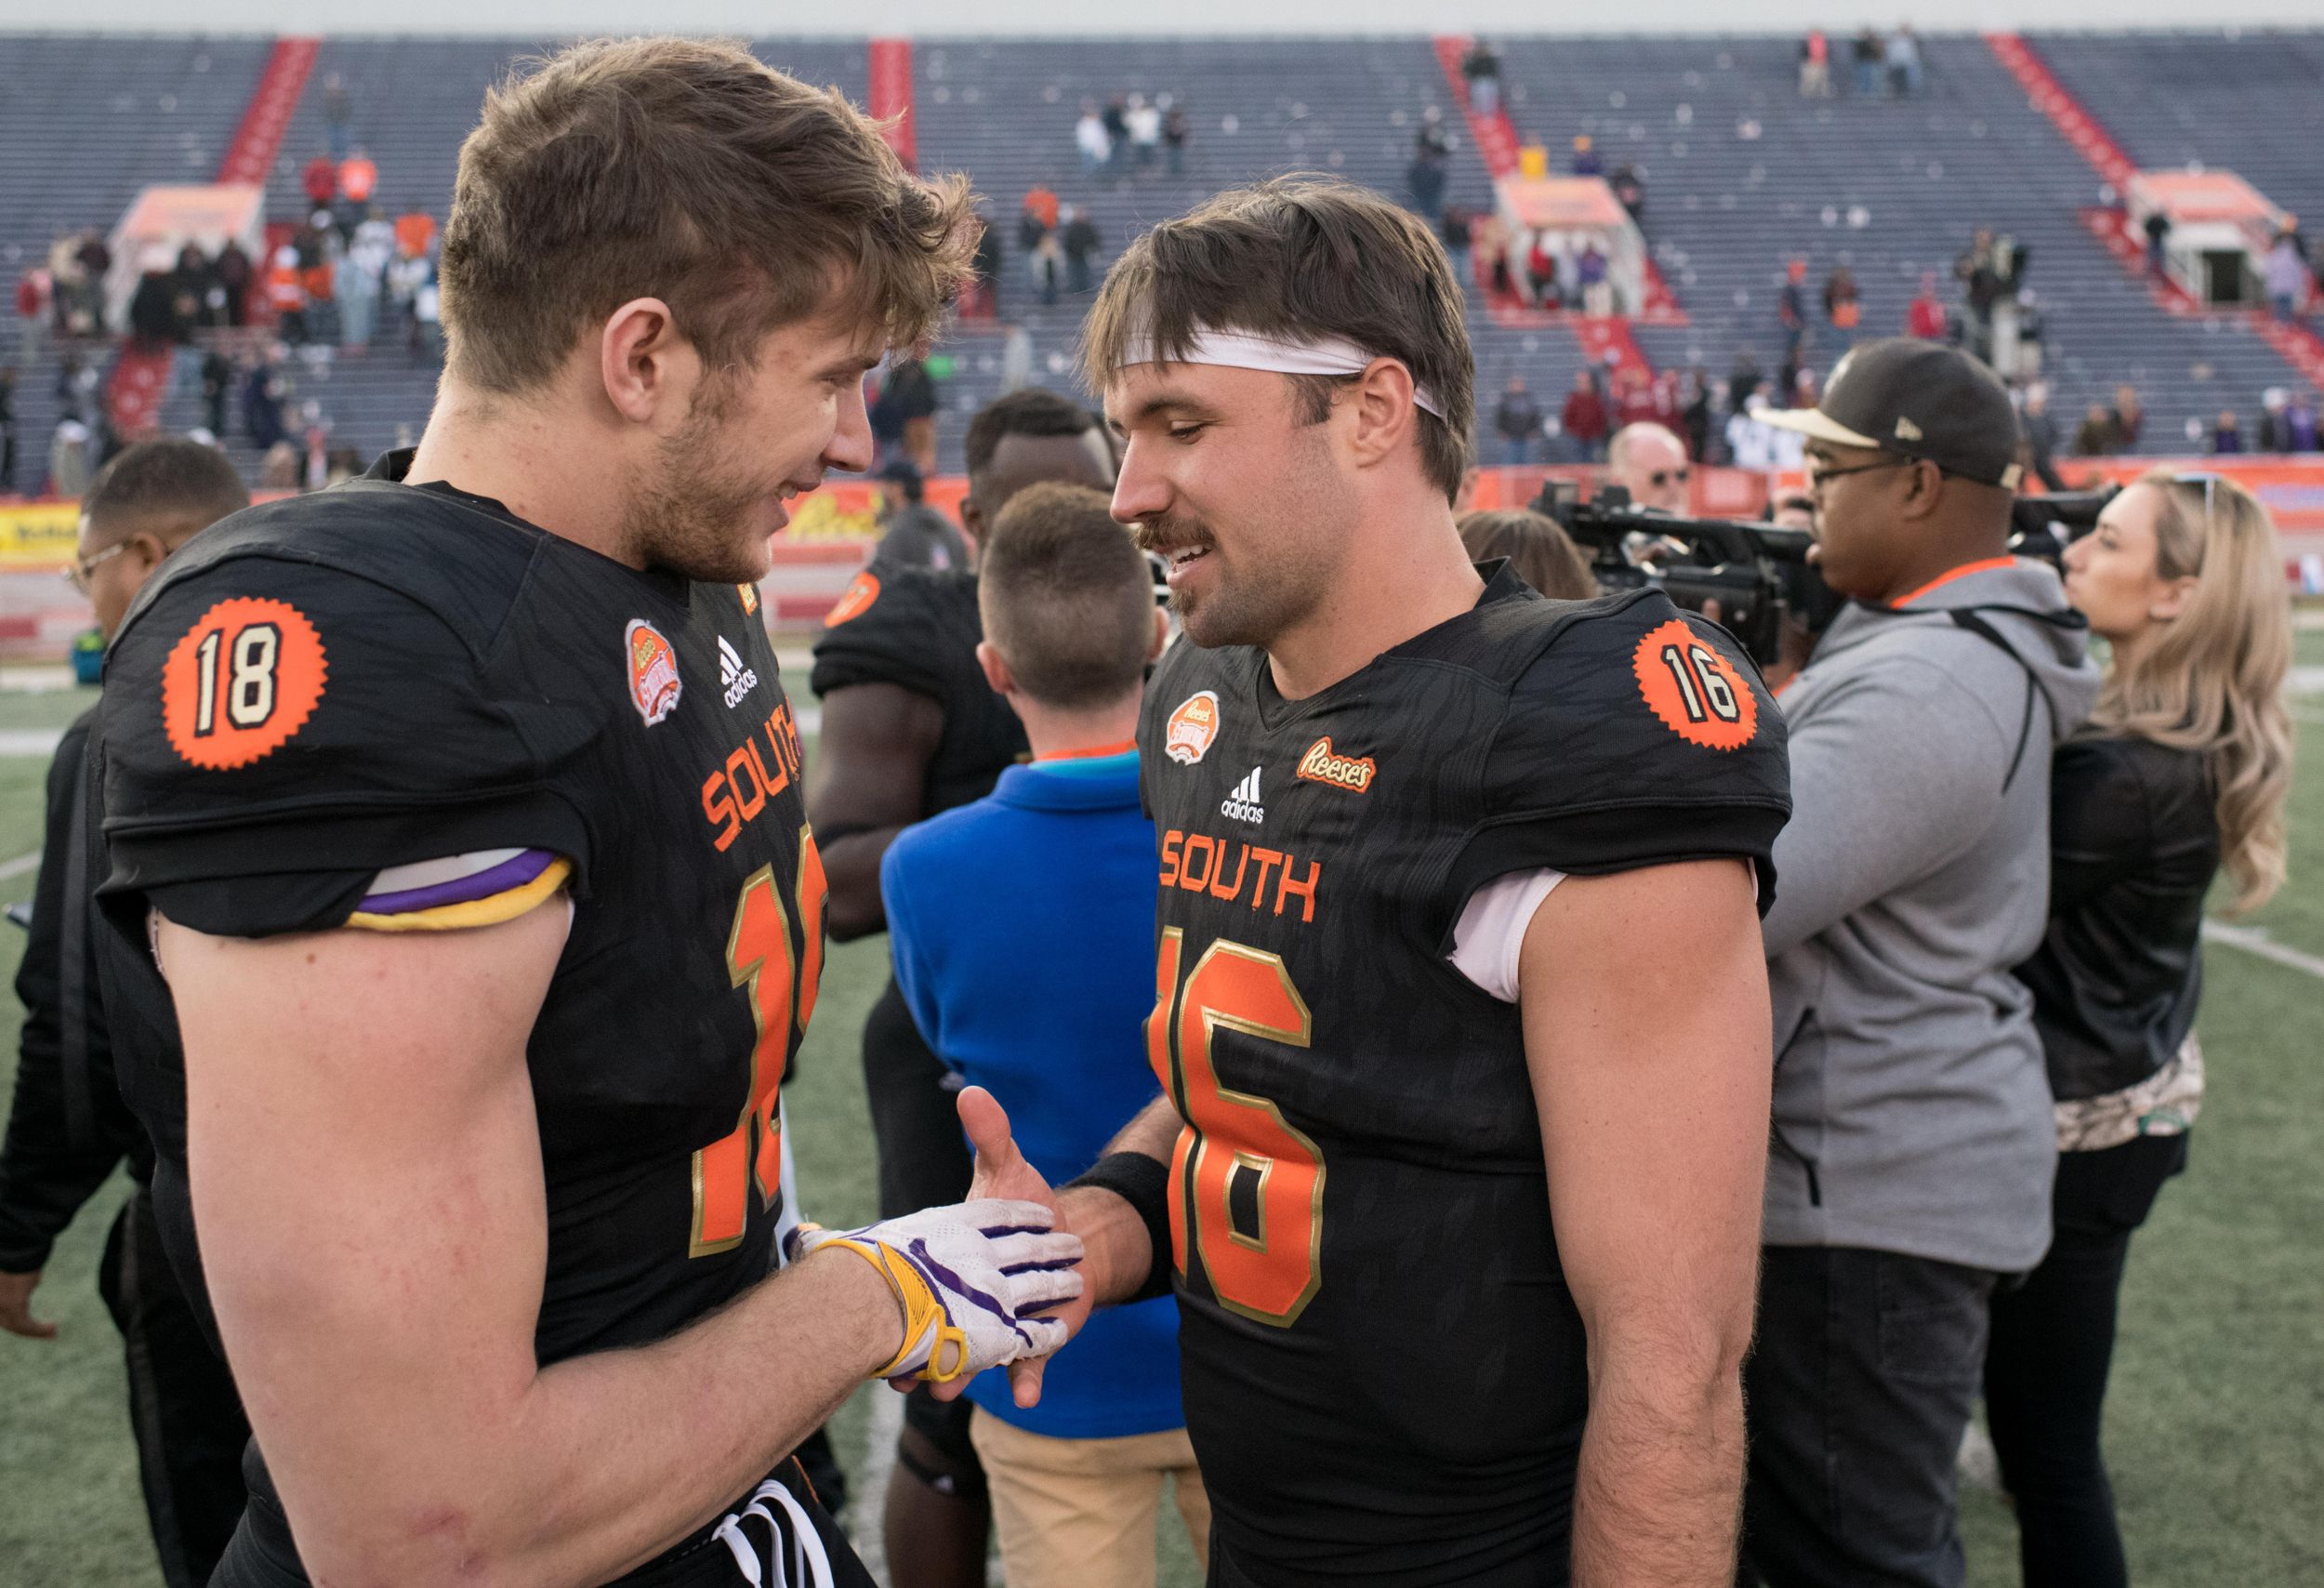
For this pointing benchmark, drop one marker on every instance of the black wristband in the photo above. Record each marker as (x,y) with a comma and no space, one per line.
(1144,1184)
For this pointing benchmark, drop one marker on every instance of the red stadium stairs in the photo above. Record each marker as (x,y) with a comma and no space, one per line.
(891,95)
(2300,347)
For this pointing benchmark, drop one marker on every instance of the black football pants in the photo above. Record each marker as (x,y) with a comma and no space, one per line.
(1857,1394)
(2045,1368)
(183,1406)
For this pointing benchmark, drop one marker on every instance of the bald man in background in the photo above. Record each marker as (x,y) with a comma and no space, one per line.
(1650,462)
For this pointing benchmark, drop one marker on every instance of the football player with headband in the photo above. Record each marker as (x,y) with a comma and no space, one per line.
(1460,1010)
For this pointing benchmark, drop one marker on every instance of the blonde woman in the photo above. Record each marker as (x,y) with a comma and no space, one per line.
(2182,769)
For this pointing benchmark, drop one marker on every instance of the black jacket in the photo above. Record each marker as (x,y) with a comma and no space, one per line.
(68,1128)
(2133,845)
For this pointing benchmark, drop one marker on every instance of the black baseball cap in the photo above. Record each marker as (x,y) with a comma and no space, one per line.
(1920,400)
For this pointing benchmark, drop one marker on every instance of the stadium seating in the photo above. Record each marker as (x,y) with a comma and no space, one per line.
(1742,174)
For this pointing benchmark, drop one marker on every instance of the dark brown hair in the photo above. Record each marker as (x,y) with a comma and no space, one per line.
(1300,257)
(1066,597)
(169,487)
(691,172)
(1538,550)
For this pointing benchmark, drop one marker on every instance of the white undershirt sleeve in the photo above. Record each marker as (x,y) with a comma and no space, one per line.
(1492,930)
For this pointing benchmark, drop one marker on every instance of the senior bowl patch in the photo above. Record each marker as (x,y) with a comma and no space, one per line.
(654,683)
(1186,738)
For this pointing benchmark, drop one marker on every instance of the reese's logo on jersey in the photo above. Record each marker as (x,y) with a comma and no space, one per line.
(653,683)
(1320,765)
(241,681)
(1695,692)
(855,600)
(1186,737)
(750,598)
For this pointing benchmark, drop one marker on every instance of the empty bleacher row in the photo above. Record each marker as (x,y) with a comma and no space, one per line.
(1742,174)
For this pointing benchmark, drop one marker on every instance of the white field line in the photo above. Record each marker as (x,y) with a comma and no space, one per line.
(2254,940)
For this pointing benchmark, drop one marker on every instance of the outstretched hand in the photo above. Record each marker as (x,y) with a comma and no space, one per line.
(16,1307)
(1002,1171)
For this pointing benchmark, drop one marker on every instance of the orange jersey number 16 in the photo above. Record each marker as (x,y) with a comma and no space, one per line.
(1255,1182)
(782,990)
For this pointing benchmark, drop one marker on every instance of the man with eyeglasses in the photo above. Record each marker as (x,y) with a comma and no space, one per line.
(1912,1148)
(1649,461)
(68,1129)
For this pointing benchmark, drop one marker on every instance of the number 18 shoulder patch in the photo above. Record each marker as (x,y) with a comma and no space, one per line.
(1692,689)
(241,681)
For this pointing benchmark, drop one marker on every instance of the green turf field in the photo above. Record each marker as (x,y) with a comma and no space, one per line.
(2216,1421)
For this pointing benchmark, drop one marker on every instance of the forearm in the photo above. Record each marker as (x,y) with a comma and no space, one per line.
(851,866)
(46,1175)
(543,1486)
(1658,1499)
(1120,1248)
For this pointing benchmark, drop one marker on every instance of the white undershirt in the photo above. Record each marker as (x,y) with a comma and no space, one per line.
(1492,930)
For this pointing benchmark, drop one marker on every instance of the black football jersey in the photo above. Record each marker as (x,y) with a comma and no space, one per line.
(1384,1373)
(379,675)
(918,629)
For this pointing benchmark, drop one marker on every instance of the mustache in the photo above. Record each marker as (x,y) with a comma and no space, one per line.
(1169,534)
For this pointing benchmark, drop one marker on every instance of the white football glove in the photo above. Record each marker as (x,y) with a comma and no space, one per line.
(966,1276)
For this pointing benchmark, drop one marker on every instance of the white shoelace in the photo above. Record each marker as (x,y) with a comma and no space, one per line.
(811,1564)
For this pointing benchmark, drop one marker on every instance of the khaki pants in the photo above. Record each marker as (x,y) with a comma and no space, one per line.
(1078,1512)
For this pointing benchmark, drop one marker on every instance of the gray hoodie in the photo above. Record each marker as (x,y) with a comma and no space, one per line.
(1911,1109)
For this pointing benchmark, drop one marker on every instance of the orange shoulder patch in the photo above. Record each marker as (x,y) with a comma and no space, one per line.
(862,592)
(241,681)
(1692,689)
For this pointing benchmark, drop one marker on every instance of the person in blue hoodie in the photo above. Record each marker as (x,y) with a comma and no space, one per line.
(1909,1171)
(1021,927)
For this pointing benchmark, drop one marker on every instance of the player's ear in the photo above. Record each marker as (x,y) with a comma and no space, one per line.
(972,521)
(1161,636)
(645,364)
(1380,399)
(995,668)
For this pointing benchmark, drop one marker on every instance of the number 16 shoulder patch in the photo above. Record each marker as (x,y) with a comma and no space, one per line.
(241,681)
(1694,689)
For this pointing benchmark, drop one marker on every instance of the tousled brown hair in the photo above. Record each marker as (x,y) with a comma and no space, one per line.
(1539,550)
(689,171)
(1066,597)
(1300,257)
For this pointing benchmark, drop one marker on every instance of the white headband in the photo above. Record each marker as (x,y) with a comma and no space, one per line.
(1240,349)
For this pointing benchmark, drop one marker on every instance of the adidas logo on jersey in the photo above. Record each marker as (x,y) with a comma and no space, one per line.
(738,680)
(1243,803)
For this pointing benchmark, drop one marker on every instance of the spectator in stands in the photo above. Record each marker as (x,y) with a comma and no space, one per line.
(1979,270)
(2226,436)
(2287,276)
(2187,762)
(2128,417)
(415,233)
(1090,140)
(2033,330)
(2095,437)
(362,279)
(1539,550)
(319,182)
(1744,378)
(1792,308)
(1584,419)
(1145,121)
(1590,276)
(97,259)
(8,430)
(217,386)
(69,464)
(1424,181)
(1629,191)
(1841,307)
(233,279)
(338,115)
(405,275)
(1816,65)
(1036,216)
(1587,162)
(31,315)
(76,389)
(1046,263)
(262,393)
(1751,440)
(2040,430)
(1481,68)
(1060,855)
(911,390)
(1649,461)
(286,295)
(2300,429)
(1870,53)
(2273,431)
(426,343)
(1016,360)
(1432,141)
(1696,420)
(359,177)
(1080,241)
(1454,225)
(1633,398)
(911,531)
(1175,129)
(1924,317)
(2157,229)
(1115,119)
(1904,63)
(990,265)
(152,305)
(1517,421)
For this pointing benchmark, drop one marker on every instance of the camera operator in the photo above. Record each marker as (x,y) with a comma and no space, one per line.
(1913,1146)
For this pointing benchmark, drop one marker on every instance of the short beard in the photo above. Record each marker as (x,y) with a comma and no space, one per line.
(1308,550)
(687,515)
